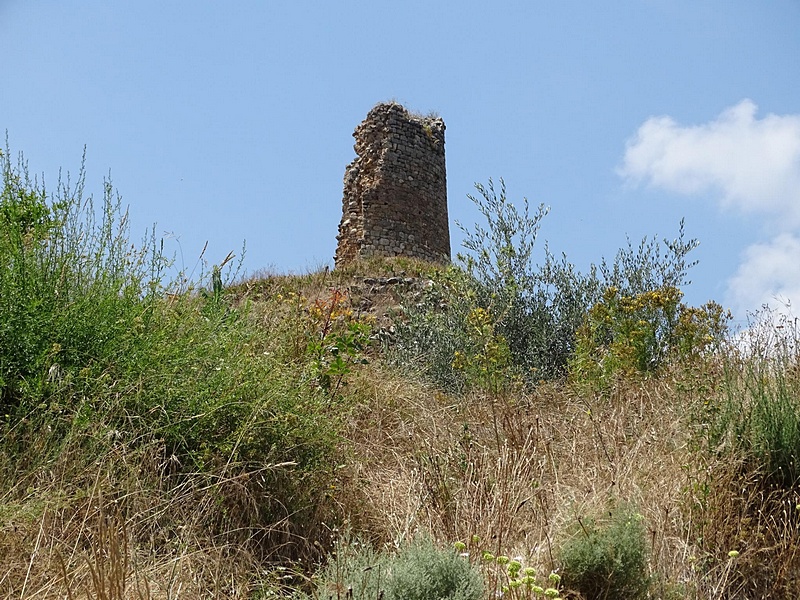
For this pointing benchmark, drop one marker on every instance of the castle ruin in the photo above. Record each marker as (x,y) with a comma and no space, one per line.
(395,191)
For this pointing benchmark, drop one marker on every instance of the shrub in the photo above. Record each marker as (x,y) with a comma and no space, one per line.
(508,577)
(420,571)
(535,311)
(486,361)
(540,309)
(354,570)
(432,328)
(71,288)
(627,335)
(533,307)
(337,341)
(424,572)
(607,560)
(96,356)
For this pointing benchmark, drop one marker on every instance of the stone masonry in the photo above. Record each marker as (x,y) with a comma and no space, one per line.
(395,191)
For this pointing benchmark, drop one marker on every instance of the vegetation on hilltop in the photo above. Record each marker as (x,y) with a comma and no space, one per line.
(502,427)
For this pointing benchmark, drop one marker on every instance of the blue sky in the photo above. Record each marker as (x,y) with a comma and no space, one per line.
(232,121)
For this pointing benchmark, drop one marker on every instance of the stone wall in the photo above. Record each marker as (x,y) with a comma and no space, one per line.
(395,191)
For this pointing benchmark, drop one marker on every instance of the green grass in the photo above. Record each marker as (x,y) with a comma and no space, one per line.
(758,418)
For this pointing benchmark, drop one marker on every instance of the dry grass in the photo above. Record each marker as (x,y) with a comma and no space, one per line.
(517,469)
(511,469)
(119,529)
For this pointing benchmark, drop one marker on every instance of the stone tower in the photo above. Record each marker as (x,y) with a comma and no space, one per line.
(395,191)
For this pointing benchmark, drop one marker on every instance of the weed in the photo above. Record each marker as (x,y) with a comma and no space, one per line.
(99,367)
(423,571)
(72,290)
(758,417)
(339,342)
(507,577)
(432,328)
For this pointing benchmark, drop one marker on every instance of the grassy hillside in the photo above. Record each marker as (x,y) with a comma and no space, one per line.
(399,430)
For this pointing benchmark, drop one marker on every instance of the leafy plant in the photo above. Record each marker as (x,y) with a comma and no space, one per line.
(97,357)
(419,571)
(486,360)
(758,416)
(536,310)
(607,560)
(423,571)
(628,335)
(71,286)
(338,341)
(500,256)
(354,570)
(508,284)
(432,328)
(508,577)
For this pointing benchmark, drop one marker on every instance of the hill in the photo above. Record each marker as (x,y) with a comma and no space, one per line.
(396,428)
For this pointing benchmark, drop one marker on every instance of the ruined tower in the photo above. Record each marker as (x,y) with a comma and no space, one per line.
(395,191)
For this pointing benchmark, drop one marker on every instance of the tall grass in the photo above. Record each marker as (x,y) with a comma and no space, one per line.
(71,286)
(194,421)
(759,418)
(744,498)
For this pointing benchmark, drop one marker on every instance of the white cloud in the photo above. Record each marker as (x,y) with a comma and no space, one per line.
(750,164)
(768,275)
(747,164)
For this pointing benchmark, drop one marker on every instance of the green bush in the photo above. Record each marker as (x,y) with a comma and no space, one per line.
(432,328)
(607,560)
(534,311)
(95,355)
(420,571)
(354,570)
(535,308)
(627,335)
(424,572)
(72,288)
